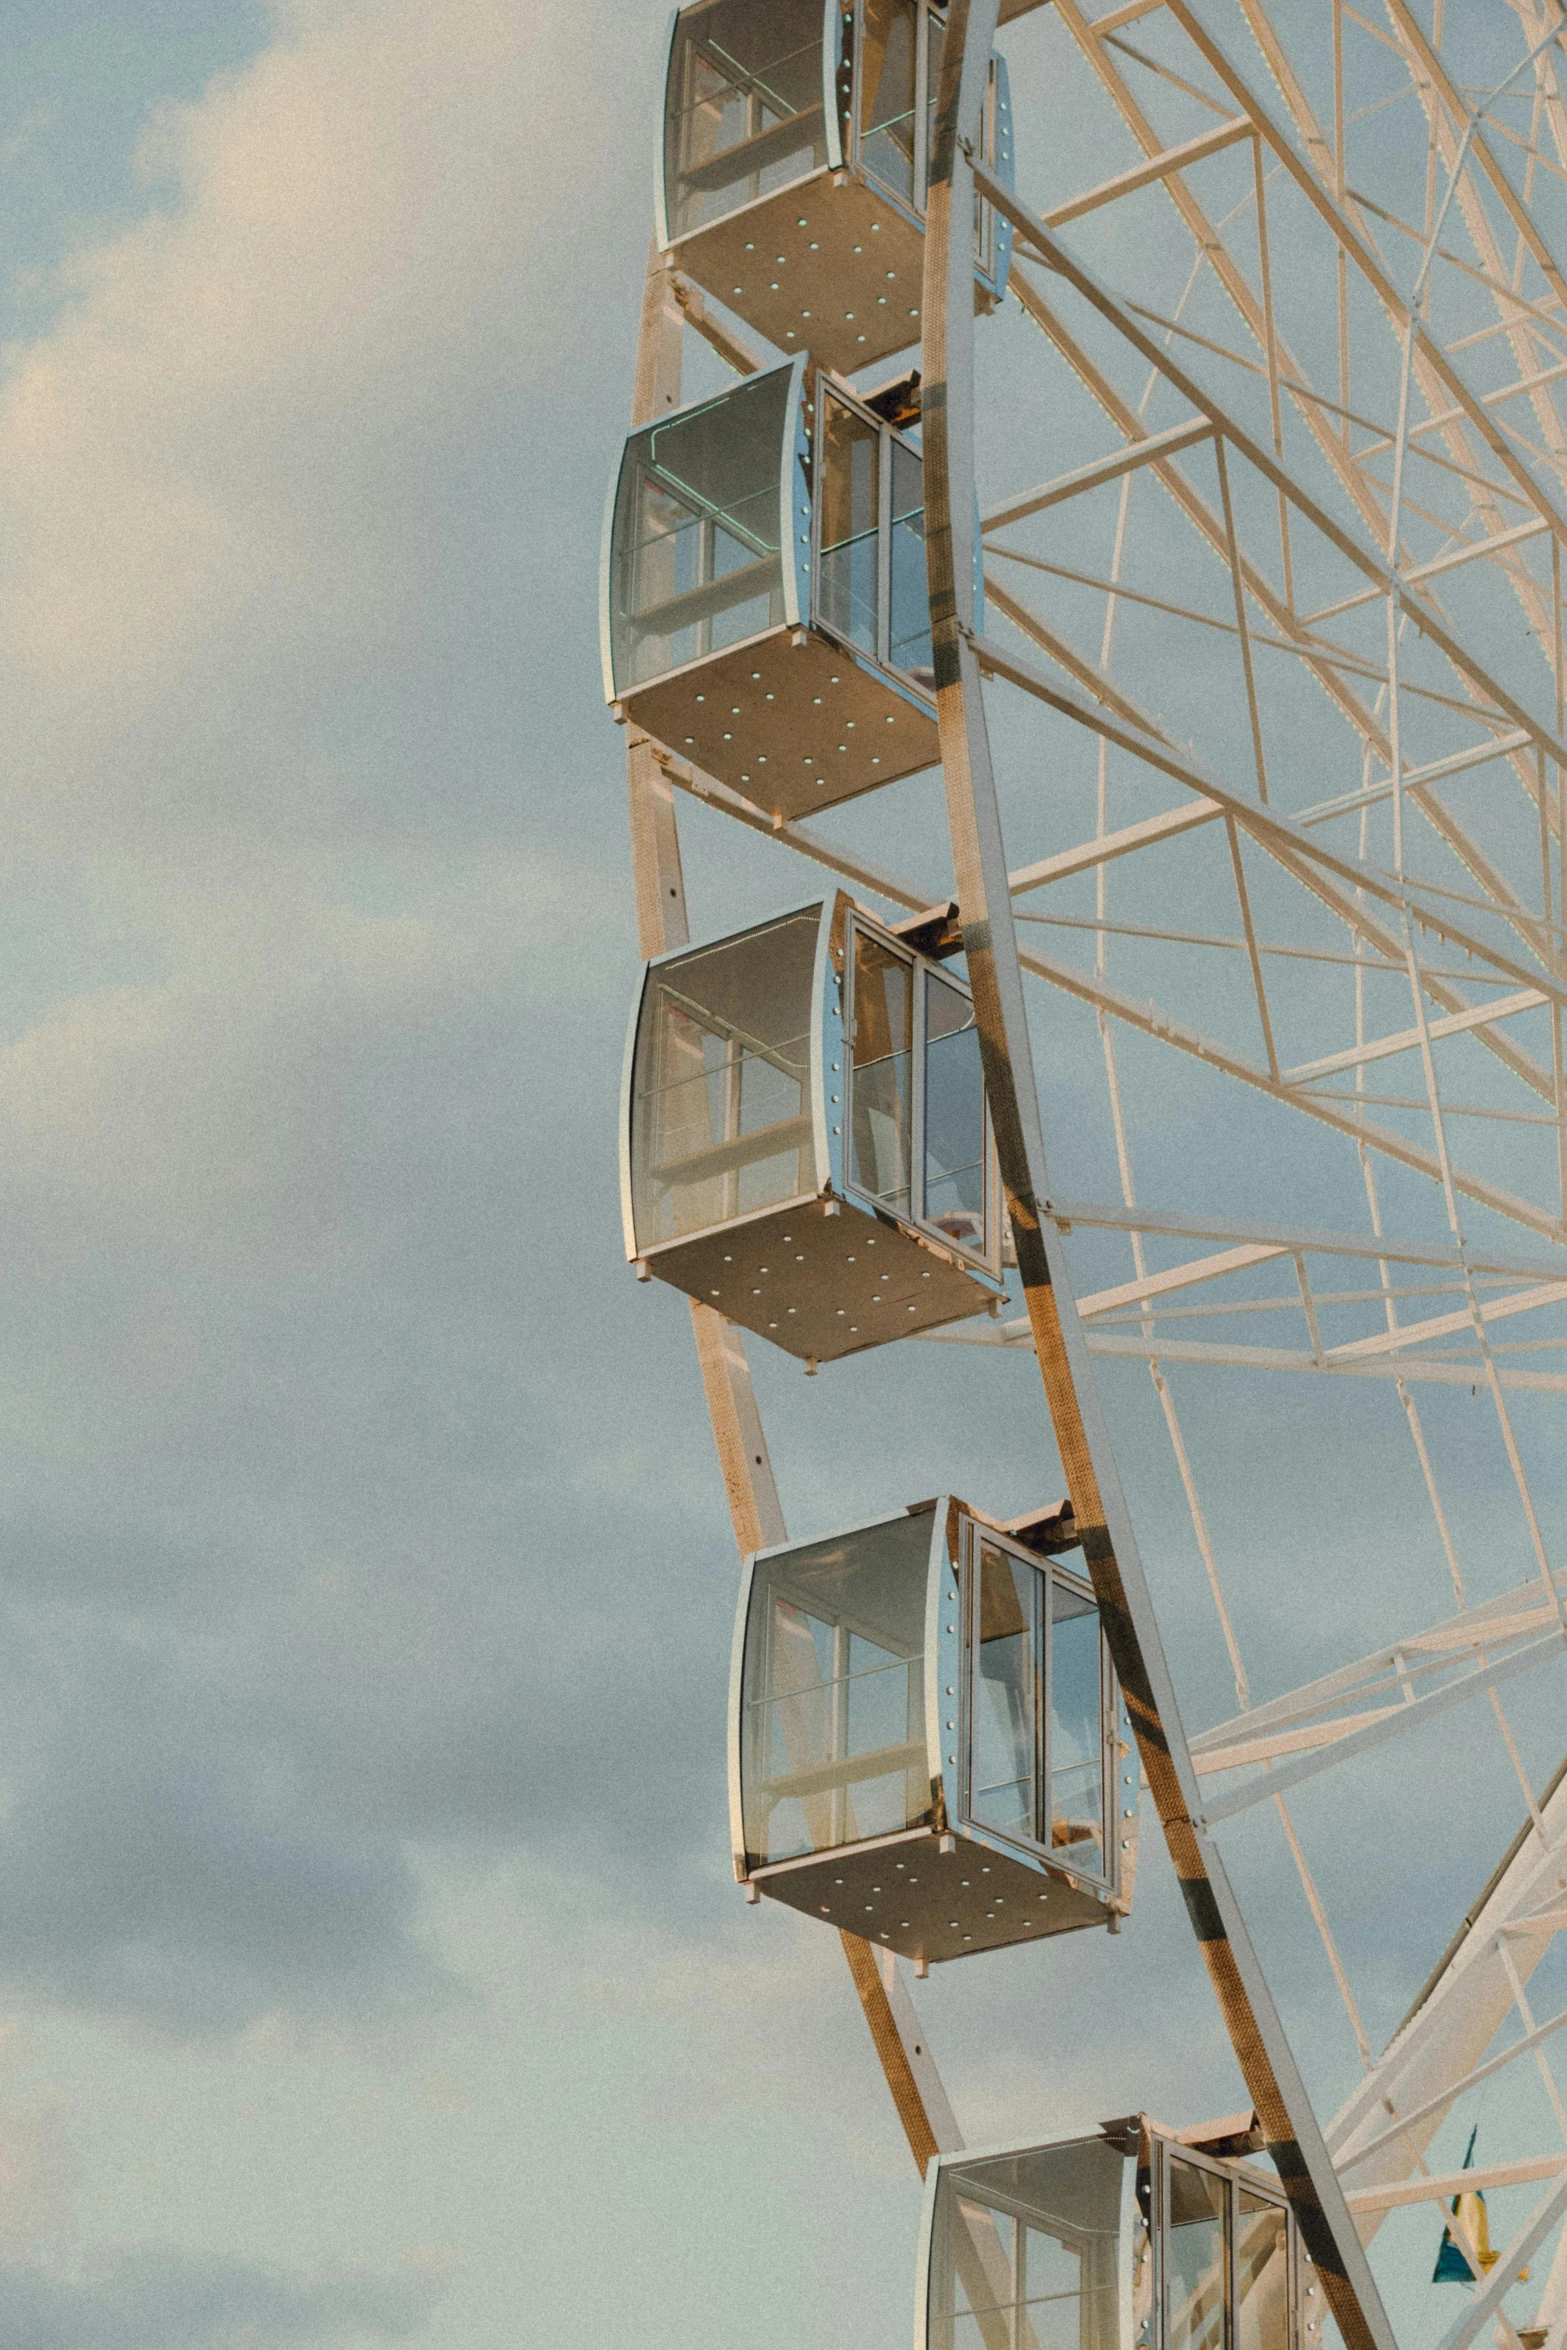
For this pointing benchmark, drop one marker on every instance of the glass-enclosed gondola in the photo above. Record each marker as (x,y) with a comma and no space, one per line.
(1136,2238)
(794,163)
(926,1742)
(765,608)
(805,1141)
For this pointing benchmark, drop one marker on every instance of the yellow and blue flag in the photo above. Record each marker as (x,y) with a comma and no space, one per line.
(1452,2263)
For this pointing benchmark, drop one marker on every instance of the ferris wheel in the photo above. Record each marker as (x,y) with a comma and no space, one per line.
(1142,430)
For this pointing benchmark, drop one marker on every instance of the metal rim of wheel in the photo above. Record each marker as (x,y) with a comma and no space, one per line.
(1291,626)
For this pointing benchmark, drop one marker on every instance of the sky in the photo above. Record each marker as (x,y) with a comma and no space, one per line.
(370,1969)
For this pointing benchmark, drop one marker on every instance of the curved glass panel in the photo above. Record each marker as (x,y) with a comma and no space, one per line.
(695,562)
(743,110)
(1025,2251)
(721,1112)
(833,1698)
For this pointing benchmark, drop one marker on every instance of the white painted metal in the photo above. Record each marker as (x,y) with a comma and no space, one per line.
(1280,411)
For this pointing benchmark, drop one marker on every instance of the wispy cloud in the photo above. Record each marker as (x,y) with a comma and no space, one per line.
(157,2298)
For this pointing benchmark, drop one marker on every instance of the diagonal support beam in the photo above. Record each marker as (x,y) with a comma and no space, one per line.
(1496,1309)
(1490,2296)
(1511,1615)
(1155,450)
(1132,1293)
(1157,167)
(1439,2187)
(1265,825)
(1289,2124)
(1376,1731)
(1381,1048)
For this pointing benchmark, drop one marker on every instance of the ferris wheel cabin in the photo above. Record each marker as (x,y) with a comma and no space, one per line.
(1137,2238)
(766,612)
(794,168)
(926,1746)
(805,1141)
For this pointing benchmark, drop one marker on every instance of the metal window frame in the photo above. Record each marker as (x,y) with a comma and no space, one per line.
(634,464)
(823,909)
(974,1534)
(940,2185)
(829,386)
(988,1258)
(1165,2151)
(748,1633)
(833,143)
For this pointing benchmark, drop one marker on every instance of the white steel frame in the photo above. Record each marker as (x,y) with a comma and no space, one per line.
(1375,527)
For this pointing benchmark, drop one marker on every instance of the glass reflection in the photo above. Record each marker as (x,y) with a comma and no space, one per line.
(1076,1744)
(881,1063)
(954,1117)
(1005,1709)
(849,590)
(834,1709)
(1262,2300)
(744,106)
(1194,2259)
(721,1123)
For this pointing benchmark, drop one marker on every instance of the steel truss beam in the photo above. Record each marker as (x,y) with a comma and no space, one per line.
(1308,1731)
(1433,367)
(995,972)
(1136,1012)
(1438,2053)
(1509,1634)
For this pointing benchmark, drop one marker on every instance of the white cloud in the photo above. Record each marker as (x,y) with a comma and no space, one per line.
(205,442)
(157,2298)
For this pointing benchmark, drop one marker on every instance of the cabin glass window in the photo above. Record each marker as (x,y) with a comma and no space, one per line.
(881,1092)
(1262,2297)
(871,589)
(909,647)
(1077,1770)
(1226,2257)
(696,555)
(917,1126)
(1194,2257)
(744,114)
(889,95)
(1038,1689)
(1008,1653)
(849,588)
(721,1113)
(956,1173)
(1024,2252)
(833,1735)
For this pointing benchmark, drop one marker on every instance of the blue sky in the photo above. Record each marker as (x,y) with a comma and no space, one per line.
(369,1969)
